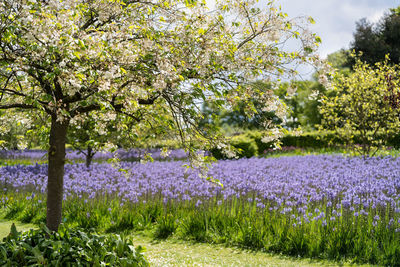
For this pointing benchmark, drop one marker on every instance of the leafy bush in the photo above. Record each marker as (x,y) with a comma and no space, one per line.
(312,140)
(250,144)
(67,248)
(364,104)
(257,137)
(245,147)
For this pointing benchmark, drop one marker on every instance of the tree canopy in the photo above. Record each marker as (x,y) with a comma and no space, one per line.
(377,40)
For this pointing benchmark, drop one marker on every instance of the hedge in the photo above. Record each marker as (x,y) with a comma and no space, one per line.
(249,143)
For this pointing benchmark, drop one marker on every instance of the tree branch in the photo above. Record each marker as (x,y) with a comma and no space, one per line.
(4,88)
(117,107)
(58,89)
(18,105)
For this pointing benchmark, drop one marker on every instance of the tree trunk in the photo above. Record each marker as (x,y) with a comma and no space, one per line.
(89,156)
(55,180)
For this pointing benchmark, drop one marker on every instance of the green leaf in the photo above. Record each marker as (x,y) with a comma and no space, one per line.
(311,20)
(38,255)
(14,234)
(308,49)
(77,54)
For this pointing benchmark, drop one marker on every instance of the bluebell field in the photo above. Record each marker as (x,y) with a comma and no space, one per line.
(130,154)
(342,208)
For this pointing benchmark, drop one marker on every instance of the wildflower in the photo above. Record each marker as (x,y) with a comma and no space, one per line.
(198,203)
(260,205)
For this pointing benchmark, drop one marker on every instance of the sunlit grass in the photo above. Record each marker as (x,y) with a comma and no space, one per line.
(5,227)
(295,151)
(175,252)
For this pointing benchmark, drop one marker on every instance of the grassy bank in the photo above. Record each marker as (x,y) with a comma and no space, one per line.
(174,252)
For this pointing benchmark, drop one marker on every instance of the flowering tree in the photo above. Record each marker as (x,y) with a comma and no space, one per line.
(12,131)
(70,58)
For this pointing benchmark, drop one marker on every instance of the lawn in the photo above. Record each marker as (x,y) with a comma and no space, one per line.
(173,252)
(6,225)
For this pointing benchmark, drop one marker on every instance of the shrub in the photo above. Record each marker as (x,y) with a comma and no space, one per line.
(312,140)
(71,247)
(245,147)
(250,144)
(365,104)
(257,137)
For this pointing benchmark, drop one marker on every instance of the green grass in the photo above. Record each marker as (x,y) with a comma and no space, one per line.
(264,232)
(174,252)
(5,162)
(5,227)
(328,151)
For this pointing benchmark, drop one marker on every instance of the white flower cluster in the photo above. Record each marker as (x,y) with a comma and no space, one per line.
(73,57)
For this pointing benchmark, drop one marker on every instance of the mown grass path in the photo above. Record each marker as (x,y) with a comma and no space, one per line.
(5,227)
(172,252)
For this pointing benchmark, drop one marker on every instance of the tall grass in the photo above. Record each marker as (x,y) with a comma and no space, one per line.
(237,221)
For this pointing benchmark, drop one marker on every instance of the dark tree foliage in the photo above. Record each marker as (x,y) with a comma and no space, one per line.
(238,118)
(377,40)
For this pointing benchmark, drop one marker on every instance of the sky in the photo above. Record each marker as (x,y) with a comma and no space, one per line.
(336,19)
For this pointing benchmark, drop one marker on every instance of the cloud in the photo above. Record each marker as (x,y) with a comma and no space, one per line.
(375,17)
(336,19)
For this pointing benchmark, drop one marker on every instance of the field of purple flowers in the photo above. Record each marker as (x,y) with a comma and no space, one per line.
(75,155)
(316,206)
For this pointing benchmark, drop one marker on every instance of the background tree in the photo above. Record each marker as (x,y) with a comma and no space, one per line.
(296,97)
(84,138)
(303,103)
(375,41)
(364,105)
(245,115)
(121,132)
(69,58)
(339,61)
(13,131)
